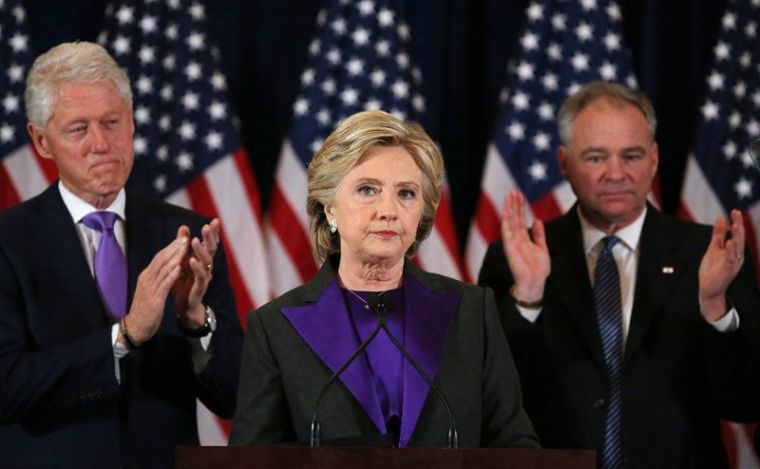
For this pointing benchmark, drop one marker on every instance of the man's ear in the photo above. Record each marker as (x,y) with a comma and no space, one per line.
(39,141)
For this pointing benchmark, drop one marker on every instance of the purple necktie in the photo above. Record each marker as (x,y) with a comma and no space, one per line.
(110,265)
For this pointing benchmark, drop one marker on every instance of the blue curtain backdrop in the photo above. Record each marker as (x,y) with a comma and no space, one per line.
(462,47)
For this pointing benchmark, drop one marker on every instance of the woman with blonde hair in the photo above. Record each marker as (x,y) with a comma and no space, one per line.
(373,190)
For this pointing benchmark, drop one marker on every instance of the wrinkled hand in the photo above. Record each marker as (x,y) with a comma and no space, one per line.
(153,286)
(720,265)
(528,258)
(196,275)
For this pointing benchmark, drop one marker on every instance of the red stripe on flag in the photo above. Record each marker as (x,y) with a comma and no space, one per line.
(292,235)
(487,219)
(729,442)
(683,211)
(8,195)
(732,445)
(245,172)
(546,208)
(656,191)
(201,201)
(444,223)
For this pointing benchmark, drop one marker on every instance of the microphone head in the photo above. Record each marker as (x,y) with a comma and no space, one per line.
(753,149)
(378,304)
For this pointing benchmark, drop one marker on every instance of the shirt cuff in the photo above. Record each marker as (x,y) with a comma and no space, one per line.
(728,323)
(119,351)
(201,348)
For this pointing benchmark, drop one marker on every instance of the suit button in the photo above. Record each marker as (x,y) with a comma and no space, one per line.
(598,403)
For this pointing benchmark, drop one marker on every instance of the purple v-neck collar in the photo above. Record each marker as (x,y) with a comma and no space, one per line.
(327,329)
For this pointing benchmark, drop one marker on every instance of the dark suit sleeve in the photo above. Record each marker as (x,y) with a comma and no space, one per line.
(262,414)
(733,359)
(70,378)
(505,422)
(218,382)
(520,332)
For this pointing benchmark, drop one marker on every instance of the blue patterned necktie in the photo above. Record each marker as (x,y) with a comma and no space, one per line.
(609,315)
(110,266)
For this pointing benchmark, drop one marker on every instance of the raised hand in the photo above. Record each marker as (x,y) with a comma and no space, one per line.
(153,286)
(720,265)
(528,258)
(196,275)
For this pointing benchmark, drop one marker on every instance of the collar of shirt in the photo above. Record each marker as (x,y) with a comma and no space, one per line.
(629,235)
(78,208)
(88,237)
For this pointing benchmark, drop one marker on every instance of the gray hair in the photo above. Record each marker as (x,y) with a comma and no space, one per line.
(69,62)
(342,151)
(611,92)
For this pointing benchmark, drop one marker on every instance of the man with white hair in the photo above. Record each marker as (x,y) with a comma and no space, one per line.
(116,312)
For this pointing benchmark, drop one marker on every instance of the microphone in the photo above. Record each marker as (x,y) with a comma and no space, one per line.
(382,307)
(315,429)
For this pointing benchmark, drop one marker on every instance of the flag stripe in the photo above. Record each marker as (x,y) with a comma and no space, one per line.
(28,176)
(292,235)
(8,196)
(236,199)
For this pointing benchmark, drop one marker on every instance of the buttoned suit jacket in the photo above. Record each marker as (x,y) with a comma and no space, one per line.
(296,342)
(680,375)
(60,403)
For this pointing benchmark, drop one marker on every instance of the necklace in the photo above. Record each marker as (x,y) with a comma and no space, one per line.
(366,303)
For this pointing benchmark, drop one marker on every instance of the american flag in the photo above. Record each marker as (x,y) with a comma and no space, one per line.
(187,150)
(719,174)
(358,60)
(565,43)
(23,174)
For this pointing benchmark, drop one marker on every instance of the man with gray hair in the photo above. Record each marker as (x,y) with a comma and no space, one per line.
(116,312)
(629,328)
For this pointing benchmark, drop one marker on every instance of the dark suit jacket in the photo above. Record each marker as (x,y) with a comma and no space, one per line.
(60,403)
(294,344)
(676,365)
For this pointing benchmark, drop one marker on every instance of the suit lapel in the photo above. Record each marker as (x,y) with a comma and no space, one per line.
(326,327)
(570,278)
(660,266)
(428,319)
(59,243)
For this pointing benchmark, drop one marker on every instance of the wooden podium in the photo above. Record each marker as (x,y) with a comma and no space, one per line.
(276,457)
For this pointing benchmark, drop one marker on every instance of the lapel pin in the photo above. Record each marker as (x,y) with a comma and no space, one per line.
(667,269)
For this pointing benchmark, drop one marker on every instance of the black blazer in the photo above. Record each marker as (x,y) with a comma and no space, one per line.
(451,326)
(680,375)
(60,403)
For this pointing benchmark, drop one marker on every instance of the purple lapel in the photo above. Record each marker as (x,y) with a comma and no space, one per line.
(327,328)
(428,320)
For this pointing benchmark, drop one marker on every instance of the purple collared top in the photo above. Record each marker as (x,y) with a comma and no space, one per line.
(385,362)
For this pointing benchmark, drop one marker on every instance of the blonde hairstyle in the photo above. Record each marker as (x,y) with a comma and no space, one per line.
(343,149)
(70,62)
(614,93)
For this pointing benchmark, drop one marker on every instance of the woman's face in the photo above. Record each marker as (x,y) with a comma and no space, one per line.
(378,206)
